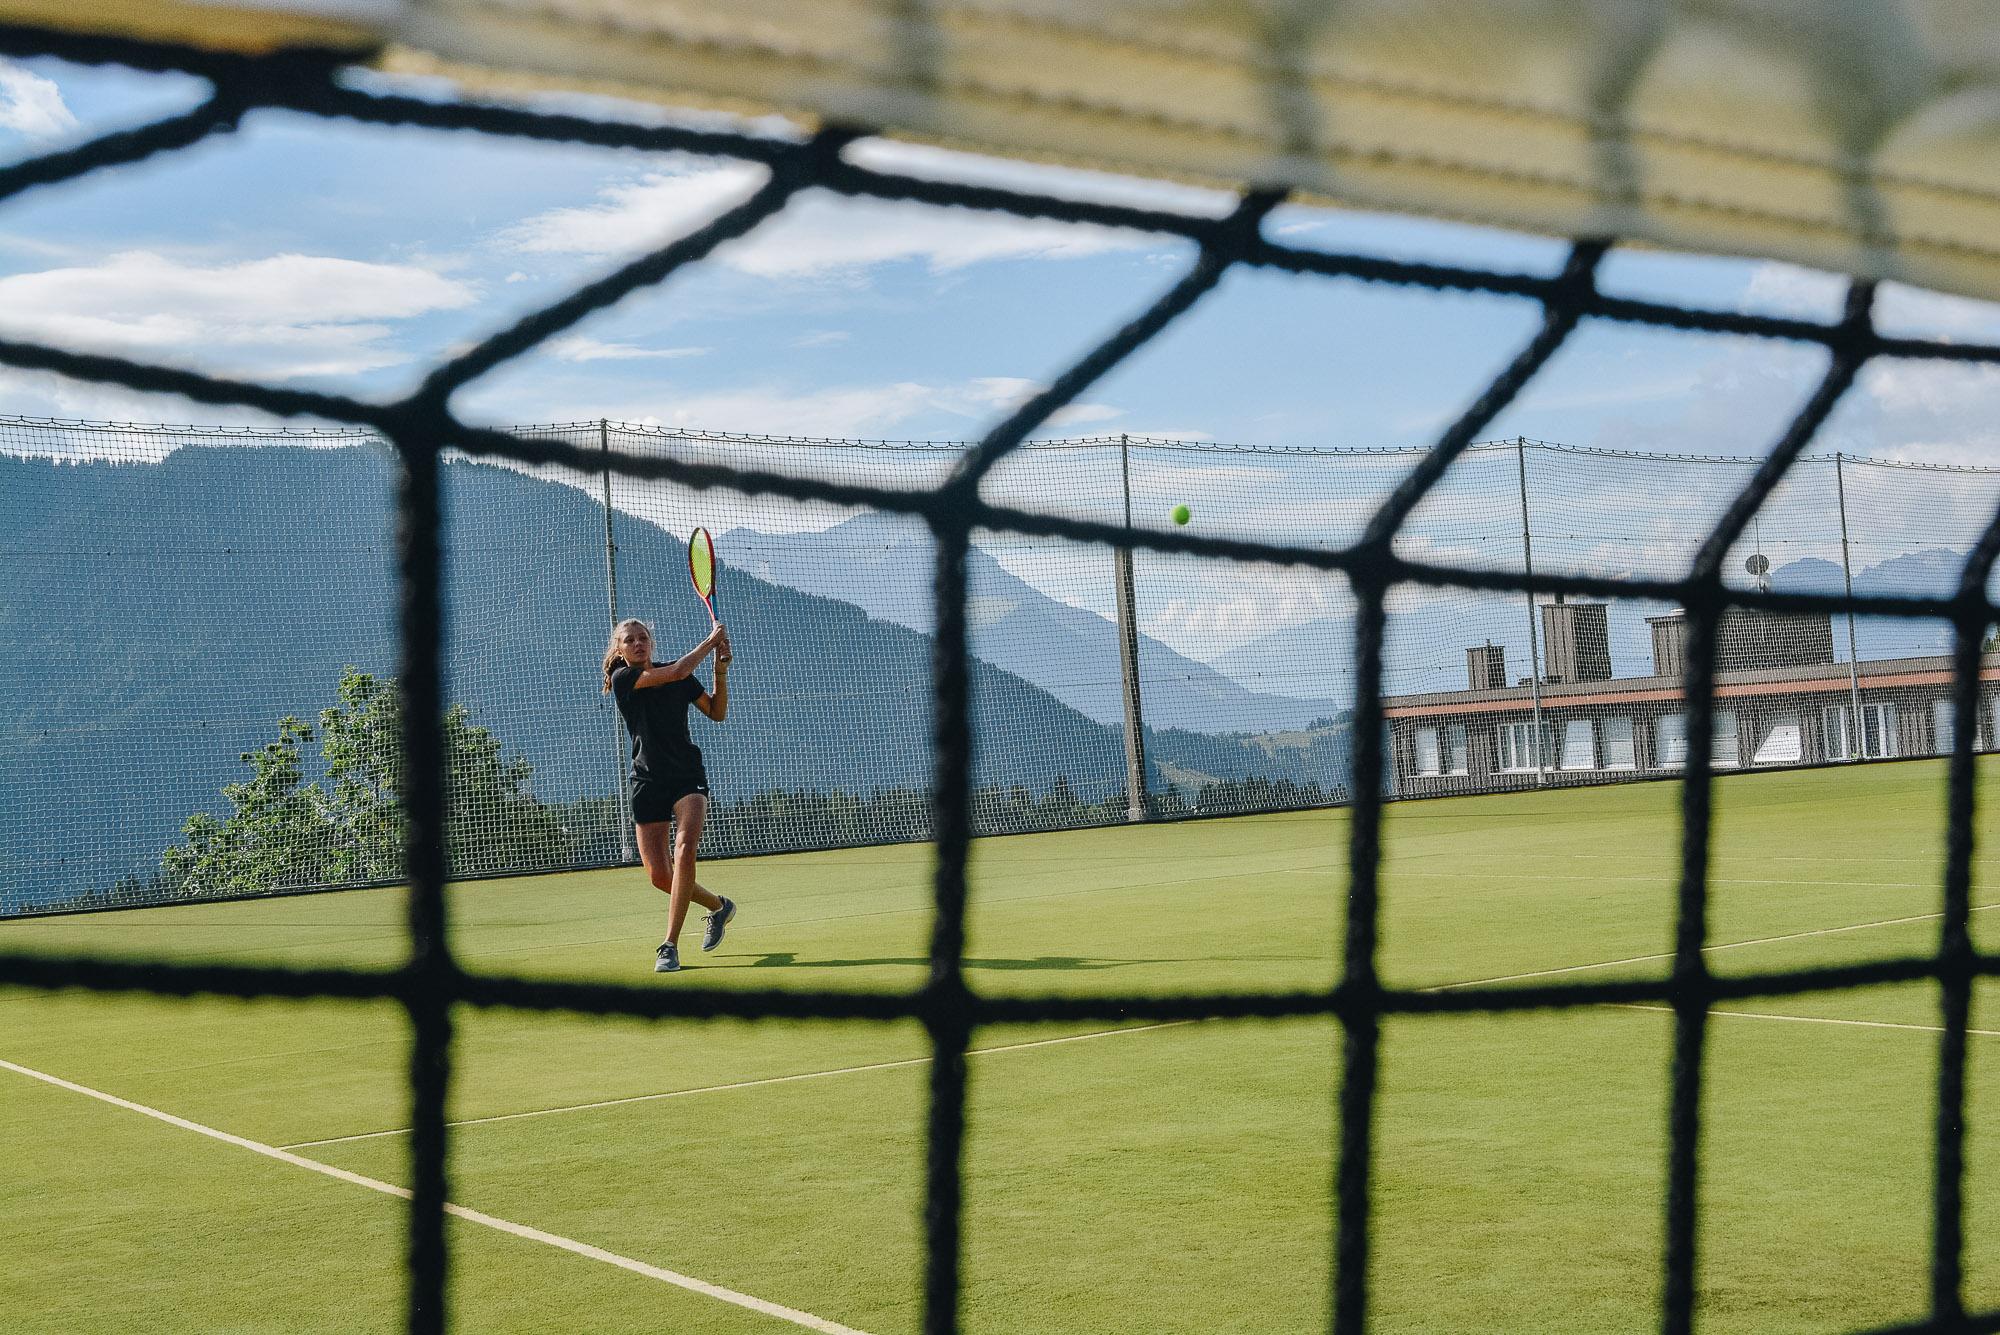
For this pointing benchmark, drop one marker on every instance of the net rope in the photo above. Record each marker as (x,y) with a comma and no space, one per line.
(421,427)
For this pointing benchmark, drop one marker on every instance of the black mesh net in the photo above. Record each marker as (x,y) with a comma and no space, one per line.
(1367,567)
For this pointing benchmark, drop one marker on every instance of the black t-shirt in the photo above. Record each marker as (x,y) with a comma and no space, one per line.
(657,718)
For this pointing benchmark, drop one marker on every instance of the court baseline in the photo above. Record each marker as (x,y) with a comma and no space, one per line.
(584,1249)
(740,1084)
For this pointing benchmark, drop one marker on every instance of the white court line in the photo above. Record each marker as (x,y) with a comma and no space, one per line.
(701,1286)
(740,1084)
(1811,1019)
(1815,884)
(1727,945)
(1675,857)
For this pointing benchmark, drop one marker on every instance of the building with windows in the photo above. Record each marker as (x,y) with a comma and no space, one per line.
(1781,699)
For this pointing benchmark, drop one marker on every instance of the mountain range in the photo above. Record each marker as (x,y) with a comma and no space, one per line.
(883,564)
(1425,645)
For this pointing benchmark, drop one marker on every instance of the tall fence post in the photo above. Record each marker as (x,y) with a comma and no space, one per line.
(611,600)
(1534,631)
(1128,654)
(1857,742)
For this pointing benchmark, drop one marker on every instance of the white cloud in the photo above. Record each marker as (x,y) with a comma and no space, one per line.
(846,411)
(1933,389)
(993,394)
(817,233)
(1062,182)
(822,338)
(821,234)
(282,317)
(43,394)
(1778,288)
(1077,414)
(577,348)
(31,105)
(1206,610)
(1900,309)
(636,215)
(1922,412)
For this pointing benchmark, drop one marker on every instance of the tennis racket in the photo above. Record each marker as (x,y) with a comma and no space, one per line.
(701,570)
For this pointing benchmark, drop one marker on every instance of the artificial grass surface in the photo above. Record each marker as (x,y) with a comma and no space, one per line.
(1172,1179)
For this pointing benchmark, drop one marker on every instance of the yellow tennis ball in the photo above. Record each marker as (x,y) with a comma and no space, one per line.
(1181,515)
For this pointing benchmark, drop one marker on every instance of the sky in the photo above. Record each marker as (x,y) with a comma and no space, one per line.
(352,259)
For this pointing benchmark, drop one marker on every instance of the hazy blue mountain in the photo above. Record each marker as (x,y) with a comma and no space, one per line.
(883,563)
(159,619)
(1808,574)
(1930,573)
(1425,646)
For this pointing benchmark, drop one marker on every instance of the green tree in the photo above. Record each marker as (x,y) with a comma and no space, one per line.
(274,836)
(284,832)
(493,821)
(361,742)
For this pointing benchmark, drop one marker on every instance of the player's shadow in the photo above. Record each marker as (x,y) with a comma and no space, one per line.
(783,959)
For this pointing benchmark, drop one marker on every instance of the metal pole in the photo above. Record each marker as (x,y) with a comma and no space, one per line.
(1858,739)
(1534,632)
(1128,654)
(622,767)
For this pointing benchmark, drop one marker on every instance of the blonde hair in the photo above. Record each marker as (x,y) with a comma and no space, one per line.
(613,660)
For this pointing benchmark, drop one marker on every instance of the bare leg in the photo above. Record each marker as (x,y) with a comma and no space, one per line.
(656,851)
(689,813)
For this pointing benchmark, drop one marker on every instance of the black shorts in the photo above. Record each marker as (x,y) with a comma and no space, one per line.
(653,799)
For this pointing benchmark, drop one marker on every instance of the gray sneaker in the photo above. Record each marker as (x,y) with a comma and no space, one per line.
(714,924)
(669,958)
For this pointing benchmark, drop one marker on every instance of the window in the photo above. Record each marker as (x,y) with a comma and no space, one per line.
(1725,753)
(1670,740)
(1878,724)
(1782,742)
(1670,736)
(1946,724)
(1579,745)
(1517,748)
(1454,738)
(1615,736)
(1427,751)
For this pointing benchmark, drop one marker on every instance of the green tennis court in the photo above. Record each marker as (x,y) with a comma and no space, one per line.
(1146,1178)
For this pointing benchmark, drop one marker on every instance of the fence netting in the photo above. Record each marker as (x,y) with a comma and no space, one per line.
(454,615)
(248,692)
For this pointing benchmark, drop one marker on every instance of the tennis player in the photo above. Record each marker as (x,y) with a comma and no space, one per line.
(669,784)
